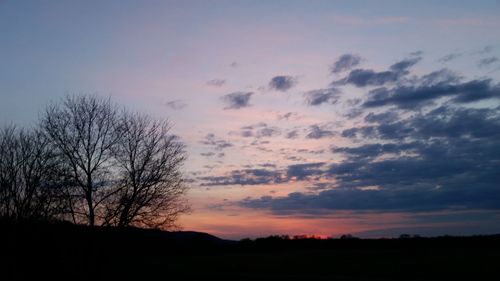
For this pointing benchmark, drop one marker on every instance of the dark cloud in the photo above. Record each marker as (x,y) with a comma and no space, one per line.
(246,133)
(237,100)
(260,130)
(444,159)
(316,132)
(217,144)
(403,65)
(268,132)
(282,83)
(409,200)
(217,82)
(366,131)
(442,76)
(234,64)
(415,96)
(311,151)
(292,134)
(243,177)
(487,61)
(254,126)
(368,77)
(304,171)
(444,122)
(345,62)
(176,104)
(353,112)
(384,117)
(295,172)
(321,96)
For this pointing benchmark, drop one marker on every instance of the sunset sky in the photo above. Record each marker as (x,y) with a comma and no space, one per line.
(373,118)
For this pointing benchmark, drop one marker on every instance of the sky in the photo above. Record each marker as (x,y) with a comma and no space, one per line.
(373,118)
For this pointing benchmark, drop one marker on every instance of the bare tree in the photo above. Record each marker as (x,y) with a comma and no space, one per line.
(28,175)
(95,165)
(8,170)
(151,186)
(82,129)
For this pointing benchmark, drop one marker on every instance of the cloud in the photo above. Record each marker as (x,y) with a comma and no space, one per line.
(316,132)
(444,159)
(268,132)
(403,65)
(384,117)
(216,143)
(487,61)
(270,175)
(292,134)
(321,96)
(237,100)
(259,130)
(304,171)
(410,200)
(243,177)
(267,165)
(442,122)
(282,83)
(449,57)
(486,50)
(289,116)
(211,154)
(368,77)
(311,151)
(415,96)
(176,104)
(345,62)
(443,155)
(234,64)
(216,82)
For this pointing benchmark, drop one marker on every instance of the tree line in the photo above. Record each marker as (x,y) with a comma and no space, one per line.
(89,162)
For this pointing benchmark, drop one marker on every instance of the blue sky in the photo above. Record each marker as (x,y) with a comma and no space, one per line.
(301,154)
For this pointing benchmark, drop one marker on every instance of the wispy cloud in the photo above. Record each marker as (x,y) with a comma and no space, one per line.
(216,82)
(345,62)
(176,104)
(487,61)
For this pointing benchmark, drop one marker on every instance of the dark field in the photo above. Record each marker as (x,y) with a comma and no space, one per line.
(31,251)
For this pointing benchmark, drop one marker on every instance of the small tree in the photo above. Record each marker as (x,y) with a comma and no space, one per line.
(151,185)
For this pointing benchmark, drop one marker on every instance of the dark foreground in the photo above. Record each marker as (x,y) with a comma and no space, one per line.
(32,251)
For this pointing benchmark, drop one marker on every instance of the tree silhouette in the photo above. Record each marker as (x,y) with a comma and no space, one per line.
(150,180)
(29,172)
(82,129)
